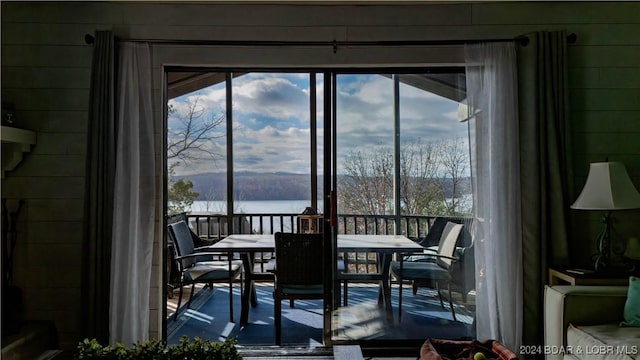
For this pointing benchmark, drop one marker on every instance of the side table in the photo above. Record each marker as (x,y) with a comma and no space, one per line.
(563,277)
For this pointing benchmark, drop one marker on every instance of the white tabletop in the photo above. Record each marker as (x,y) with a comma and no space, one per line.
(266,243)
(385,245)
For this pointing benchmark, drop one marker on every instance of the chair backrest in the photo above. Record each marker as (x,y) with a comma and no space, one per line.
(299,258)
(437,227)
(447,244)
(174,218)
(181,237)
(435,230)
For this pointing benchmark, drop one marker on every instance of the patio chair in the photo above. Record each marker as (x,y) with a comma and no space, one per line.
(299,271)
(463,270)
(172,267)
(431,268)
(195,269)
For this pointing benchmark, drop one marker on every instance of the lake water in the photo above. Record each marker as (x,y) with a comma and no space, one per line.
(253,207)
(263,207)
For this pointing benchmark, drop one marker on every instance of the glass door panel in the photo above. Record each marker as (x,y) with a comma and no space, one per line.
(401,161)
(196,155)
(197,151)
(364,127)
(271,130)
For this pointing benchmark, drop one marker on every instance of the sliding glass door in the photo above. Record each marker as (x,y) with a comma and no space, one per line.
(400,160)
(375,153)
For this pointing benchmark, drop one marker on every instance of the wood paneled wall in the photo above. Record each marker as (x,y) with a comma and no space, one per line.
(46,74)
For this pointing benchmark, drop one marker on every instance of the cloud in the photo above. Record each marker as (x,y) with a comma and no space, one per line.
(279,150)
(366,114)
(276,98)
(271,118)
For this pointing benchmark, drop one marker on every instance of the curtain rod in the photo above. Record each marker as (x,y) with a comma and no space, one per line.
(522,40)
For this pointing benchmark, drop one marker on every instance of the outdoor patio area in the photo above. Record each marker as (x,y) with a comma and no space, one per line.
(362,319)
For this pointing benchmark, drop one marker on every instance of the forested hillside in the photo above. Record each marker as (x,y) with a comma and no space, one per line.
(266,186)
(253,186)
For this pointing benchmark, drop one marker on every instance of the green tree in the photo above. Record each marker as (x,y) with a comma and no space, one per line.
(180,196)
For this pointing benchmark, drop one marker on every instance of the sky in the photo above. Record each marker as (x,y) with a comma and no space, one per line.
(271,119)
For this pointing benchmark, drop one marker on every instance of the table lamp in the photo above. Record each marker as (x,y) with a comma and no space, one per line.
(608,188)
(633,249)
(632,254)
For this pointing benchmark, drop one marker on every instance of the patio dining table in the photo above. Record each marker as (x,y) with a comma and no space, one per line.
(384,245)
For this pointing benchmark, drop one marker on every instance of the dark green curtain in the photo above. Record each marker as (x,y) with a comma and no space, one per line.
(546,175)
(100,173)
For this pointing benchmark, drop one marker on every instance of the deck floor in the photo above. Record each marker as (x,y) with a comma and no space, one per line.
(362,319)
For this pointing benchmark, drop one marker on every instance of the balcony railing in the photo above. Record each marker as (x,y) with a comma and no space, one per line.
(214,227)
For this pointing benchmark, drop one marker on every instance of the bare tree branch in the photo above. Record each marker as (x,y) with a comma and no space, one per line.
(195,134)
(432,179)
(454,162)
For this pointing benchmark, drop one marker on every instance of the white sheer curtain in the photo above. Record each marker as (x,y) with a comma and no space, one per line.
(133,216)
(493,98)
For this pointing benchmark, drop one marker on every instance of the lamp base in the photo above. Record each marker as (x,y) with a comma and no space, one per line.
(632,266)
(604,245)
(615,265)
(601,263)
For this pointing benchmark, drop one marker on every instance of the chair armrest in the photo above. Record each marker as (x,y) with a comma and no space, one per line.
(429,258)
(183,257)
(196,254)
(454,258)
(429,254)
(425,255)
(206,249)
(579,305)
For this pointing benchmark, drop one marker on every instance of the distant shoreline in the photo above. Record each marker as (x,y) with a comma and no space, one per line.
(252,206)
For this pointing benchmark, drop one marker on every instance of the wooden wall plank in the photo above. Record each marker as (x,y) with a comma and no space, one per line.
(78,12)
(600,143)
(60,144)
(50,187)
(72,34)
(605,78)
(55,210)
(56,165)
(56,298)
(604,56)
(566,12)
(53,121)
(15,77)
(237,32)
(47,56)
(48,99)
(42,231)
(606,99)
(59,256)
(609,121)
(310,15)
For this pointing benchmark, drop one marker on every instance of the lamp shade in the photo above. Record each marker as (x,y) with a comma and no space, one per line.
(608,187)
